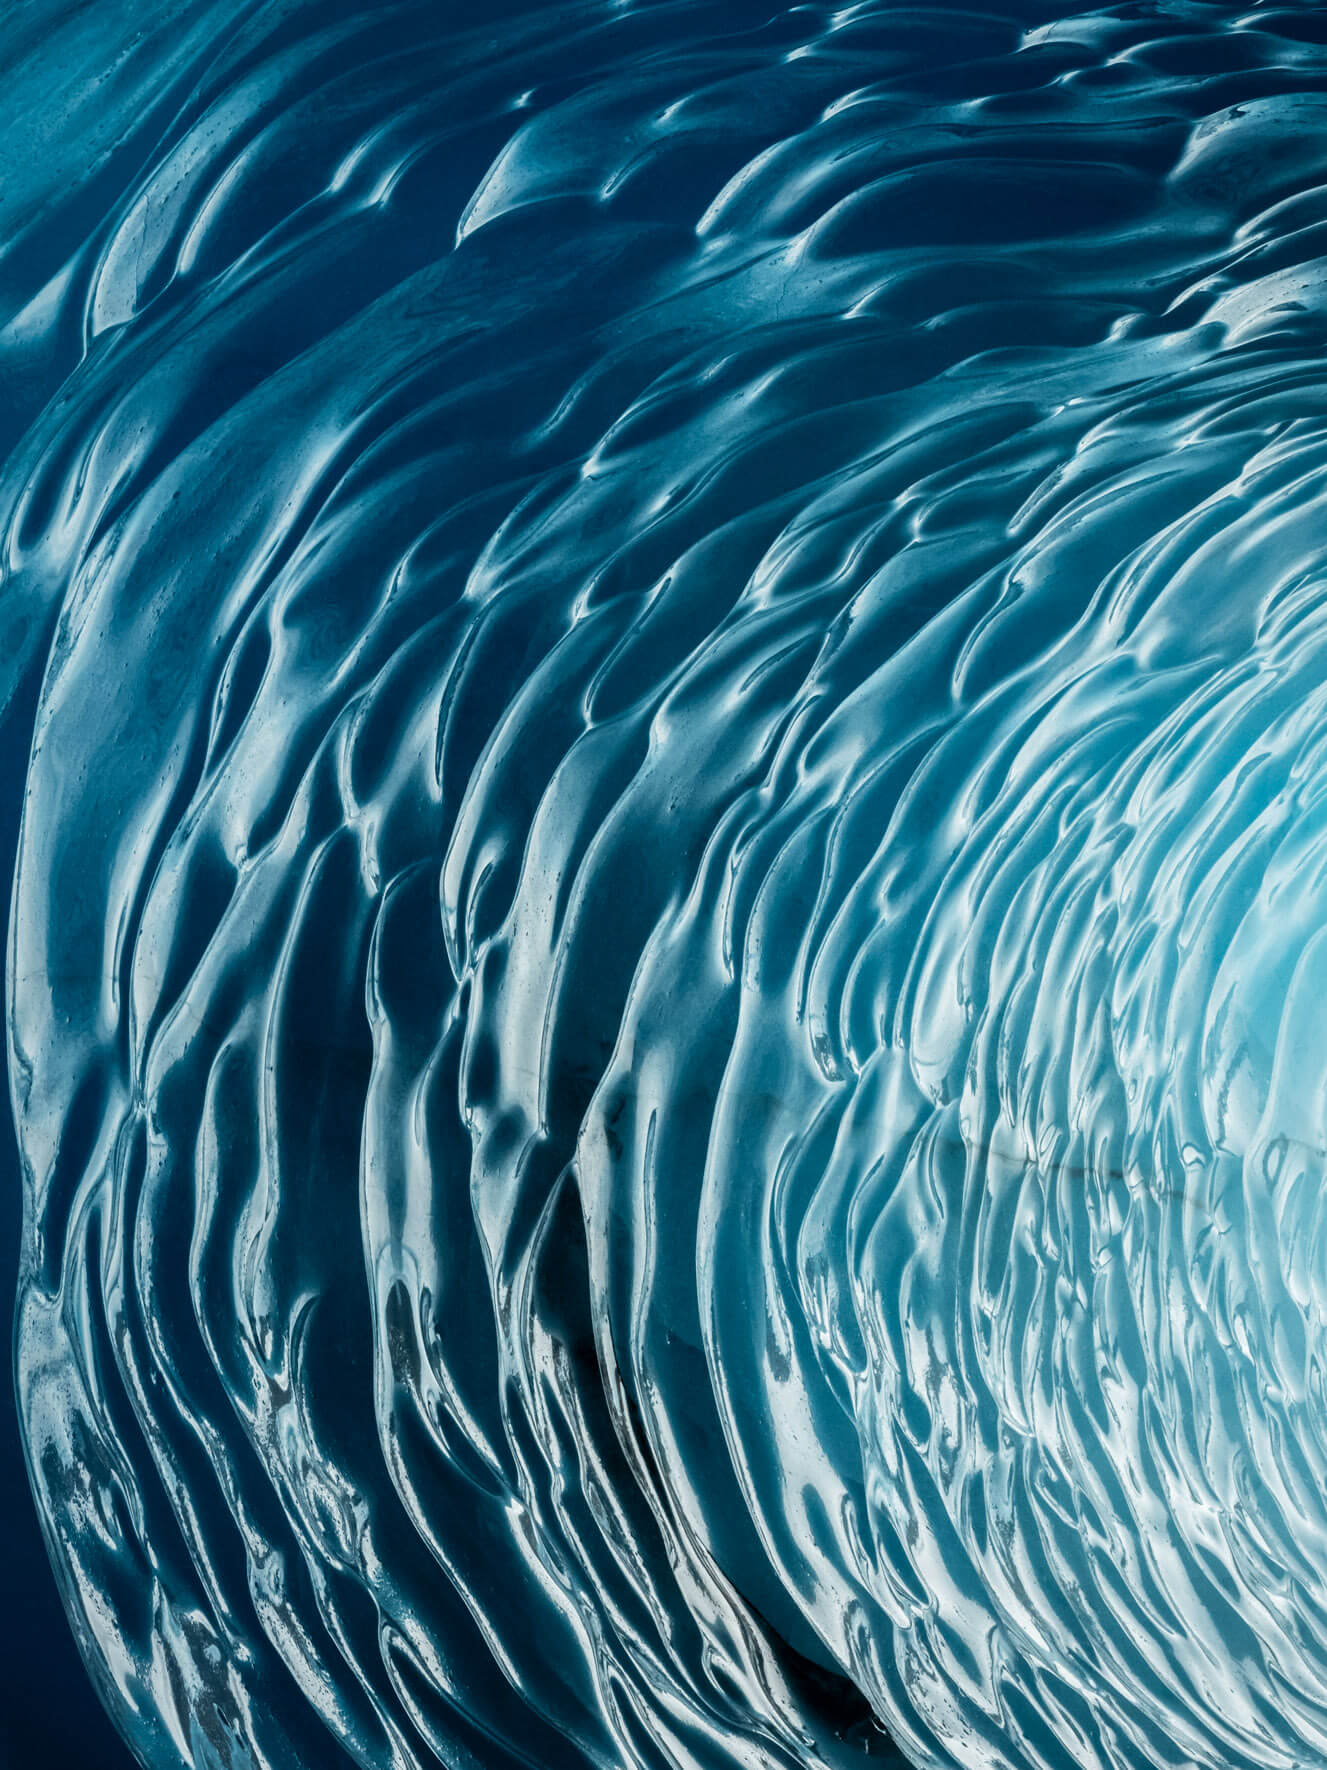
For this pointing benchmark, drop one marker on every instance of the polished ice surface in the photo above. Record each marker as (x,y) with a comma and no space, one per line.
(667,983)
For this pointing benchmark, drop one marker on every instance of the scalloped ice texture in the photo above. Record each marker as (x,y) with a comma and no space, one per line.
(666,975)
